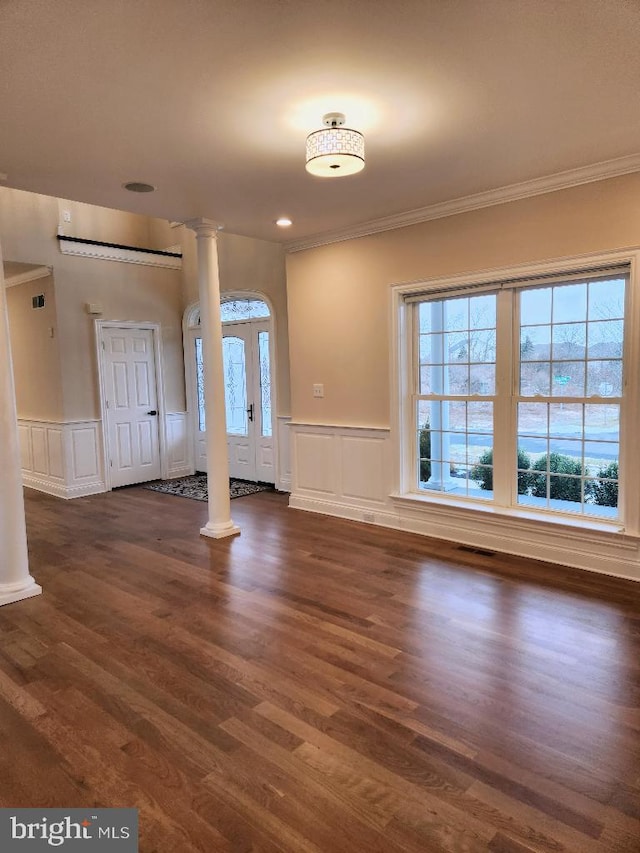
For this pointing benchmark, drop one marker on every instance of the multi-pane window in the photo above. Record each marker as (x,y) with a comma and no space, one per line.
(517,394)
(570,391)
(457,353)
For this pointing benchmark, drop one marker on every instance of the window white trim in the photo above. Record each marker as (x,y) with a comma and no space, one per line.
(402,361)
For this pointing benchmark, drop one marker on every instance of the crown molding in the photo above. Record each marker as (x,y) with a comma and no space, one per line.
(489,198)
(29,275)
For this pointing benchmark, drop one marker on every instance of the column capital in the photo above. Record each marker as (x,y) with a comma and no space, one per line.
(204,227)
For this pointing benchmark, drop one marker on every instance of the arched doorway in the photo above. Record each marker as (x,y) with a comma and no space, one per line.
(247,330)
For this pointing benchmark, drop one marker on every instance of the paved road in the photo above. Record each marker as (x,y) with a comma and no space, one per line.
(560,445)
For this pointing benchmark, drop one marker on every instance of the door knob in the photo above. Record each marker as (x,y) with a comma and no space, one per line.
(250,412)
(152,412)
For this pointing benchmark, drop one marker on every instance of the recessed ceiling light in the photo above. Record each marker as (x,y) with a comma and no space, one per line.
(284,222)
(138,187)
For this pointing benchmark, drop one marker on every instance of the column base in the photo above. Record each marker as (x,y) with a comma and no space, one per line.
(219,531)
(11,592)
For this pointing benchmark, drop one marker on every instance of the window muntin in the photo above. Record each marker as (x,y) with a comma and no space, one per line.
(562,380)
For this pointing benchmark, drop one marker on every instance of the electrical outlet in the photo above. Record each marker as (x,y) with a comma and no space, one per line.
(66,216)
(318,390)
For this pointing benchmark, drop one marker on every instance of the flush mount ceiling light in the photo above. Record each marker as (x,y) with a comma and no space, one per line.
(138,187)
(284,222)
(336,150)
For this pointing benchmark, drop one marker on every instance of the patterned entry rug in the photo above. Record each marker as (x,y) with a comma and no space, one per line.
(195,487)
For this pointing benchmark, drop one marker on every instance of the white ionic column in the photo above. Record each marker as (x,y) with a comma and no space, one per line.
(15,581)
(220,523)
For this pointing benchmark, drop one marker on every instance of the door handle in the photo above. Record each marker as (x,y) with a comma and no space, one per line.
(250,412)
(152,412)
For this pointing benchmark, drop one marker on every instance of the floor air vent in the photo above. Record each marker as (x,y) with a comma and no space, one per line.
(471,550)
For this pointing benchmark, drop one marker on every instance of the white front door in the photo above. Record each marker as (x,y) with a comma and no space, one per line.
(247,380)
(131,405)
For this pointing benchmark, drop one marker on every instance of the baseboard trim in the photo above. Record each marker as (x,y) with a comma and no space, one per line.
(59,490)
(621,564)
(374,515)
(284,484)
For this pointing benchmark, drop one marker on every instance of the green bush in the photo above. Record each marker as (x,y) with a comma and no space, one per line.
(484,475)
(424,445)
(424,453)
(606,493)
(560,488)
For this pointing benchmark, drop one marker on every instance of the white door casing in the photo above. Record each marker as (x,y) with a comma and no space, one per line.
(130,403)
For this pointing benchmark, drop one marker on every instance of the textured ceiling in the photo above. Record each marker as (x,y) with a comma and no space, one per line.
(212,101)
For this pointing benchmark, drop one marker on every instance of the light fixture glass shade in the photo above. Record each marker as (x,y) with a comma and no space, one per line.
(335,151)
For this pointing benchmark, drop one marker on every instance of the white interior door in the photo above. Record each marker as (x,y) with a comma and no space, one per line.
(131,405)
(247,379)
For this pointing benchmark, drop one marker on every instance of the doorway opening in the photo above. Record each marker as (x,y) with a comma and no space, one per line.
(249,391)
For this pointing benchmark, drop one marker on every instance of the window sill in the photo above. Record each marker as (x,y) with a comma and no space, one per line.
(476,508)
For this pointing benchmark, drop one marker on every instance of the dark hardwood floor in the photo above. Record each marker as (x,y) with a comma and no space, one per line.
(316,685)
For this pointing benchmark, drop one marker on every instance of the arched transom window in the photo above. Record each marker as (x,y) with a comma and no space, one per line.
(235,310)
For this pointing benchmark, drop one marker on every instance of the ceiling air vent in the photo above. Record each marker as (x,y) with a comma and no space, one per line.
(138,187)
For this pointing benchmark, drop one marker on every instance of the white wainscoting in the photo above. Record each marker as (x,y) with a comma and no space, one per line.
(62,459)
(348,472)
(65,458)
(283,477)
(343,471)
(178,445)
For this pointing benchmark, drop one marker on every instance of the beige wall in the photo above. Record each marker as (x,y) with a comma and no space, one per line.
(252,265)
(28,228)
(29,224)
(127,292)
(339,301)
(35,351)
(113,226)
